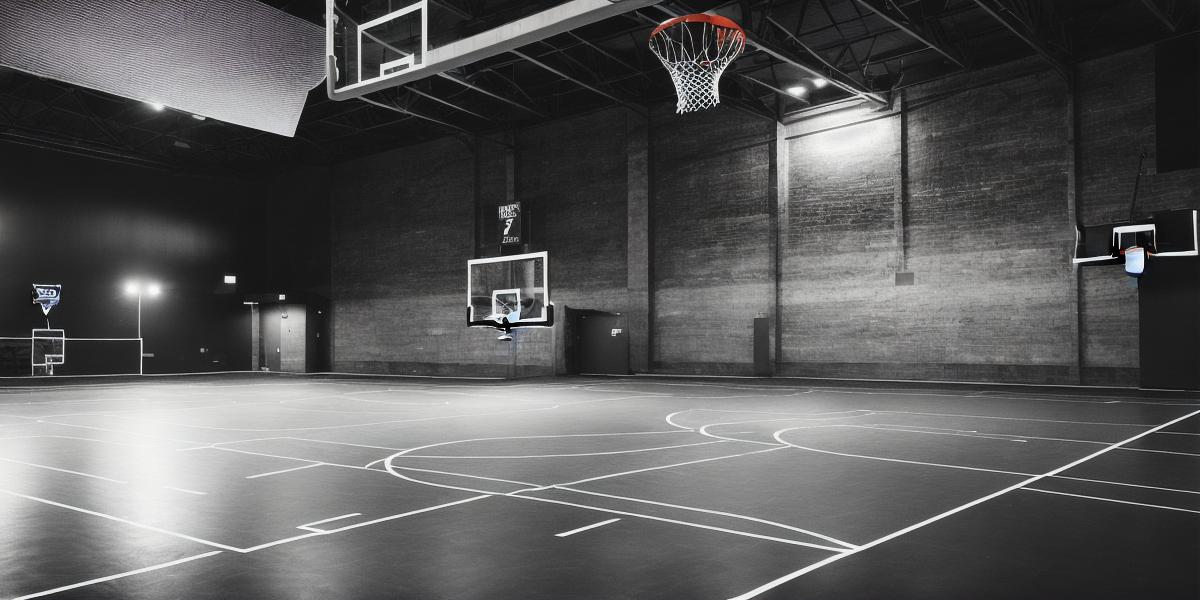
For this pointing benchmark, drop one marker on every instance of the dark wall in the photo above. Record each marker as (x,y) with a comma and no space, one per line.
(711,268)
(403,229)
(929,240)
(1115,126)
(90,225)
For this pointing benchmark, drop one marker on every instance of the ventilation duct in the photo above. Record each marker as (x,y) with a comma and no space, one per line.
(238,61)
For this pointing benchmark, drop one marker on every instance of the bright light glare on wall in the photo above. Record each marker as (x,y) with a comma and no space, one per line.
(157,106)
(858,138)
(231,279)
(131,288)
(154,289)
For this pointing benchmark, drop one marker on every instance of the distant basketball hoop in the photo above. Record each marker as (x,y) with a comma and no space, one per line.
(695,49)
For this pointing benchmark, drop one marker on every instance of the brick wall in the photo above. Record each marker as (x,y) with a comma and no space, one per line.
(967,185)
(403,230)
(711,273)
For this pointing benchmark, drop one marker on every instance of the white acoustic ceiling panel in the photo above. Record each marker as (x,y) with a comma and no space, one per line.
(238,61)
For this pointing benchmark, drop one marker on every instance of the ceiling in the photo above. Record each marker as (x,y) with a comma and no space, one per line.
(865,49)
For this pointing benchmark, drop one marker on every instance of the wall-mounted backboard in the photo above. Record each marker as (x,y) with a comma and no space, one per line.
(508,292)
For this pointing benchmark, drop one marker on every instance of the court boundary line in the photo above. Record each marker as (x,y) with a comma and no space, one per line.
(1021,484)
(1118,501)
(117,576)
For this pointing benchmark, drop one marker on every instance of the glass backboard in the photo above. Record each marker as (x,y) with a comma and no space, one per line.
(509,291)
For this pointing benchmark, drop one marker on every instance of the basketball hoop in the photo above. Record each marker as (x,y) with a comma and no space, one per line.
(695,49)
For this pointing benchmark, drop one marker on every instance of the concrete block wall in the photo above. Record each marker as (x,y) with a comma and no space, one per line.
(1116,123)
(694,225)
(403,229)
(711,271)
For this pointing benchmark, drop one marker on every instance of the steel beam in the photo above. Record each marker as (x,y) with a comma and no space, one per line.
(913,30)
(611,96)
(1158,13)
(1002,14)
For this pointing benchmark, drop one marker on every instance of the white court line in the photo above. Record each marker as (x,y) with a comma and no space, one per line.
(713,512)
(29,464)
(117,576)
(690,462)
(329,427)
(687,524)
(312,526)
(1177,433)
(71,437)
(364,523)
(586,527)
(186,491)
(799,572)
(120,520)
(1187,510)
(315,464)
(344,444)
(1161,451)
(523,483)
(611,452)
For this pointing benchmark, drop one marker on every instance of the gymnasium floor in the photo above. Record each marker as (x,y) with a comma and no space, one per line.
(265,486)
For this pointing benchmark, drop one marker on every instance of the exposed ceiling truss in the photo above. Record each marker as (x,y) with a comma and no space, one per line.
(862,51)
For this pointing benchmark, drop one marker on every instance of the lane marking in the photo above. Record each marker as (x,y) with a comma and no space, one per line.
(312,526)
(120,520)
(364,523)
(586,527)
(117,576)
(690,462)
(612,452)
(1161,451)
(709,511)
(1187,510)
(186,491)
(687,524)
(315,464)
(817,565)
(49,468)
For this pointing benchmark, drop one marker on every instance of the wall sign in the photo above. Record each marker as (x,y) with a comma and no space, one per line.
(510,224)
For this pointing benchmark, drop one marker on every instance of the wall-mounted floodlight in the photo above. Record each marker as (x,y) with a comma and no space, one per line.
(231,279)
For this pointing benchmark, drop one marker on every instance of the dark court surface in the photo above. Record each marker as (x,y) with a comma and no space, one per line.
(266,486)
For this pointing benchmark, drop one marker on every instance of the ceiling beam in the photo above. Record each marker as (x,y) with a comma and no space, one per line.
(405,111)
(998,11)
(610,95)
(917,31)
(1158,13)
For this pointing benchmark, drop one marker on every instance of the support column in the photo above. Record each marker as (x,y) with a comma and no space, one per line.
(638,254)
(777,206)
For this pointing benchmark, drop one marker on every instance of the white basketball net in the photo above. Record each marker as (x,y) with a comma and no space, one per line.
(696,49)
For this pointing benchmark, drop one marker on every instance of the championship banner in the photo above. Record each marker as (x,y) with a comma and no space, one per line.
(47,296)
(510,224)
